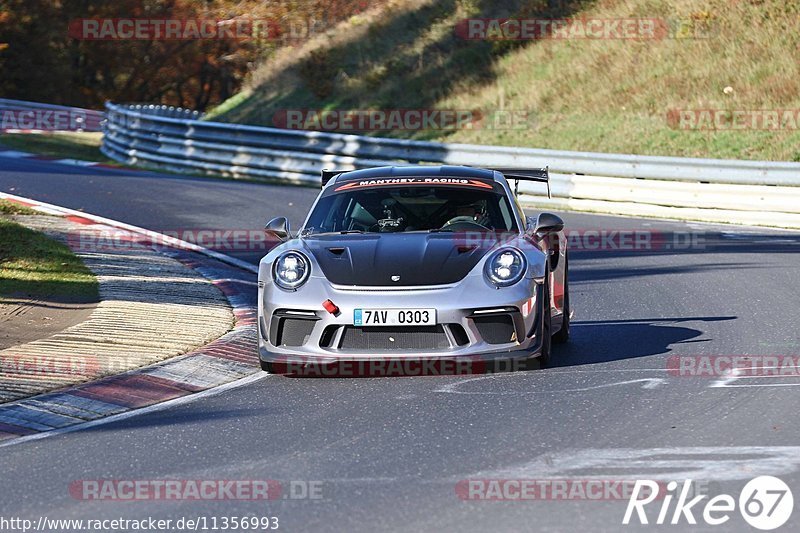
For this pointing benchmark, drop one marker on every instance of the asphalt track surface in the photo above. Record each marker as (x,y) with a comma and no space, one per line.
(389,453)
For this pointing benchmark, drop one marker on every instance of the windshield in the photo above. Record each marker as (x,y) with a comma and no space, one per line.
(480,206)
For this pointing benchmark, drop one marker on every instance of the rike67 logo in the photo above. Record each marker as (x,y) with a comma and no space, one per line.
(765,503)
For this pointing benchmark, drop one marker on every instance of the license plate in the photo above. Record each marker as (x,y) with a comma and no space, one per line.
(394,317)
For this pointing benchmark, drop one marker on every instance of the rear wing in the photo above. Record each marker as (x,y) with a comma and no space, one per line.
(541,175)
(328,175)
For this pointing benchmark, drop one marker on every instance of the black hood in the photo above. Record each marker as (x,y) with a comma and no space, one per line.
(417,258)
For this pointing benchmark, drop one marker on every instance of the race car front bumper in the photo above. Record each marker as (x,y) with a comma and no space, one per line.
(475,322)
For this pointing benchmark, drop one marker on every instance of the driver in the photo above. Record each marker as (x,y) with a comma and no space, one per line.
(476,212)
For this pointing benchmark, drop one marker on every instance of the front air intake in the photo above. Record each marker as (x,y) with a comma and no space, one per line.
(496,329)
(292,328)
(414,338)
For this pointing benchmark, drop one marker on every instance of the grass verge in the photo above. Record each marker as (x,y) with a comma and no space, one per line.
(13,208)
(732,59)
(33,265)
(68,145)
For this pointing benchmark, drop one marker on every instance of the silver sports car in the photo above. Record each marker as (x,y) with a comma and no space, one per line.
(421,262)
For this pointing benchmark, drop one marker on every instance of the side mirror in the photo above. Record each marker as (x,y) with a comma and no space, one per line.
(279,227)
(548,223)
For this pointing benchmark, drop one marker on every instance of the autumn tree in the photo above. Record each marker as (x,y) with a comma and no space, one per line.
(41,59)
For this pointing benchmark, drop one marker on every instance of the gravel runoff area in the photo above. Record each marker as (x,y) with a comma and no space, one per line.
(152,307)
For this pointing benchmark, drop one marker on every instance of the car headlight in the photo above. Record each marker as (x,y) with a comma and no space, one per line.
(291,270)
(506,267)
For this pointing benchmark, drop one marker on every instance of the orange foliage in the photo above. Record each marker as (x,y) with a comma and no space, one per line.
(41,58)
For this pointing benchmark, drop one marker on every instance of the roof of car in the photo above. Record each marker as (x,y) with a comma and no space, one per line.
(416,171)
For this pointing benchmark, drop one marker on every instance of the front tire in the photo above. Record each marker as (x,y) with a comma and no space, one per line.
(545,328)
(563,334)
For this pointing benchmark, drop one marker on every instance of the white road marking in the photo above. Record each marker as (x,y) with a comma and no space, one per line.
(751,385)
(452,388)
(725,379)
(668,463)
(240,281)
(736,375)
(183,400)
(567,370)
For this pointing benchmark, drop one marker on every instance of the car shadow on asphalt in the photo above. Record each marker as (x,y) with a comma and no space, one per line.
(602,341)
(169,417)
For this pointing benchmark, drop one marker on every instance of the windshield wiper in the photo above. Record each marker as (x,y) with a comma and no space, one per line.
(345,232)
(438,230)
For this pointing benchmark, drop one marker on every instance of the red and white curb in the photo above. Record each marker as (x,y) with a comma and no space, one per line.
(227,362)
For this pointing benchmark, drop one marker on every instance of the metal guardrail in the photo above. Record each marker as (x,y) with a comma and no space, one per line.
(19,115)
(167,111)
(143,135)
